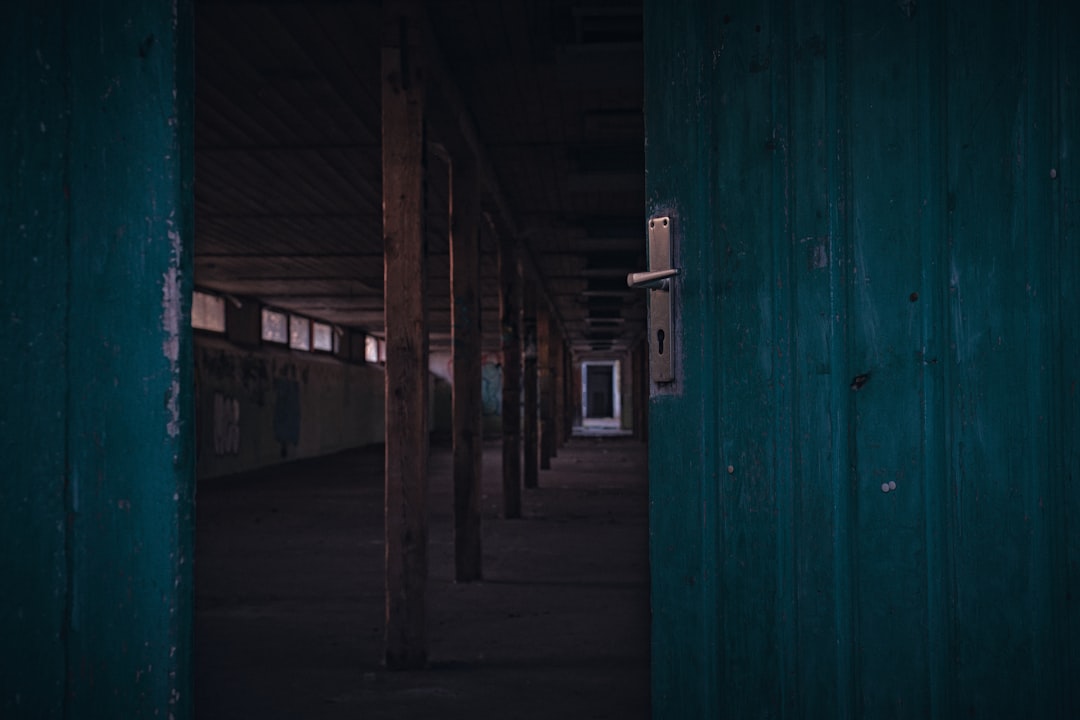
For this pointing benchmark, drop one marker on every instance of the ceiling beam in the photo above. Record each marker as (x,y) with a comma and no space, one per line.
(444,84)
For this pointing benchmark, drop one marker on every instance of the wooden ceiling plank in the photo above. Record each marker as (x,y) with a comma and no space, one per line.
(325,54)
(217,60)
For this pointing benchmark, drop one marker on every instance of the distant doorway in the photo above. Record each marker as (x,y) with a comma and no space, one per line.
(600,398)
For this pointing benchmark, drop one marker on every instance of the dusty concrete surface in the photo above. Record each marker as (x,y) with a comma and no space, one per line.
(289,594)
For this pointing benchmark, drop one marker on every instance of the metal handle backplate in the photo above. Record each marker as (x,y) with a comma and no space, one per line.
(657,280)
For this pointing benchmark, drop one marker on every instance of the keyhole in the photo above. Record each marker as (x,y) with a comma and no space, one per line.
(660,341)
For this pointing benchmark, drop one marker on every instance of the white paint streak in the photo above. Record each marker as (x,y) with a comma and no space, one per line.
(171,312)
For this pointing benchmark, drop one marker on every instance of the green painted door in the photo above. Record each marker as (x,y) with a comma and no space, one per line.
(96,443)
(864,497)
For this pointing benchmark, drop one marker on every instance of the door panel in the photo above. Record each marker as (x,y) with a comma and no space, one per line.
(861,478)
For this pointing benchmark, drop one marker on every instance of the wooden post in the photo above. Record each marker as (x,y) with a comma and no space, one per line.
(510,314)
(547,400)
(404,286)
(465,331)
(568,394)
(575,392)
(530,429)
(641,391)
(559,363)
(626,390)
(635,390)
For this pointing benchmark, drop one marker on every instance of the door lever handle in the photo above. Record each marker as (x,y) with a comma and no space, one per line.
(653,280)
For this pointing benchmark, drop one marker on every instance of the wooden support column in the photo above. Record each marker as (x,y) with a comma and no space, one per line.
(557,382)
(568,394)
(530,429)
(404,284)
(634,368)
(465,332)
(547,387)
(510,315)
(641,390)
(575,393)
(626,388)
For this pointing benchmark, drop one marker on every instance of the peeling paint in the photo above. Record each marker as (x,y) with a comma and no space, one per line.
(171,312)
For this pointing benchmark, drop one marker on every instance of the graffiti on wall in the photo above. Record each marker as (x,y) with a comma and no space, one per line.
(247,377)
(490,382)
(491,388)
(226,425)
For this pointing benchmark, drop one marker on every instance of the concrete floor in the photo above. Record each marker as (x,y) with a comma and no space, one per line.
(289,610)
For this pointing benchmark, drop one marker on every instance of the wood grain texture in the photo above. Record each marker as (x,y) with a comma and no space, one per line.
(544,340)
(568,390)
(97,281)
(510,313)
(406,338)
(530,423)
(35,250)
(1065,262)
(130,416)
(558,377)
(860,480)
(467,400)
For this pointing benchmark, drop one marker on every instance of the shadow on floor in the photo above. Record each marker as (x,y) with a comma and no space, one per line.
(289,606)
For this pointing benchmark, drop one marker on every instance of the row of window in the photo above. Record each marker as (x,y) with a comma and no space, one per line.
(296,331)
(208,312)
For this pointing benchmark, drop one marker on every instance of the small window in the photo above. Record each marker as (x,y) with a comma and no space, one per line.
(207,312)
(322,337)
(299,333)
(275,326)
(371,349)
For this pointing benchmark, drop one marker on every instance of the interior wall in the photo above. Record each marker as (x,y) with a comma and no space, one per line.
(261,406)
(441,365)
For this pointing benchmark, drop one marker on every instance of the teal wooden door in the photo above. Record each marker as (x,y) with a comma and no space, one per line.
(864,497)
